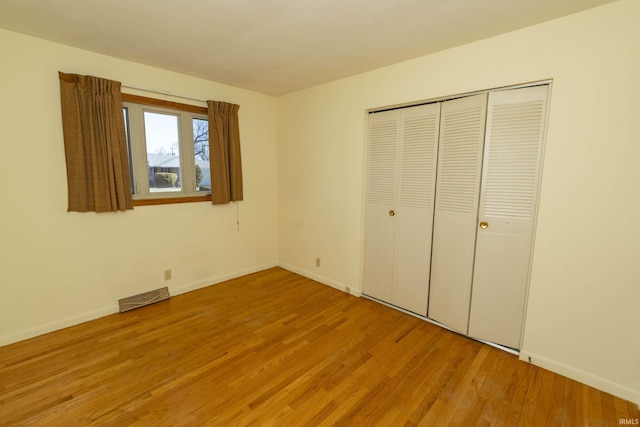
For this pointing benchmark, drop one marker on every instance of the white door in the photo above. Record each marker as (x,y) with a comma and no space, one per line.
(462,128)
(510,180)
(400,199)
(384,131)
(414,213)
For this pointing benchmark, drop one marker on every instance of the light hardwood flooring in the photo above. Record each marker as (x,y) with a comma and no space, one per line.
(275,348)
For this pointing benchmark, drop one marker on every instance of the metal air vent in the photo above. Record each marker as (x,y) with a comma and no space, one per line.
(141,300)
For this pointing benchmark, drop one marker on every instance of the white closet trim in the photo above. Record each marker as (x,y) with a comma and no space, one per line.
(461,95)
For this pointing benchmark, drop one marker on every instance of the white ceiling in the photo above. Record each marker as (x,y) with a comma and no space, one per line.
(275,46)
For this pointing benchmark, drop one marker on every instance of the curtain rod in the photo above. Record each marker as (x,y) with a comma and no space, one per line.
(167,93)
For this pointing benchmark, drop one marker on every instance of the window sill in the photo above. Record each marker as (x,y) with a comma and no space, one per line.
(171,200)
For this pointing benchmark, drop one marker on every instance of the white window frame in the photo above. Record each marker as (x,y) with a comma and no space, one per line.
(138,152)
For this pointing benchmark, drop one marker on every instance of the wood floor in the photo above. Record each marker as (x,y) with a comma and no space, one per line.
(274,348)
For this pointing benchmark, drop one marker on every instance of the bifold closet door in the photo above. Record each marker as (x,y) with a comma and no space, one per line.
(462,128)
(401,161)
(516,121)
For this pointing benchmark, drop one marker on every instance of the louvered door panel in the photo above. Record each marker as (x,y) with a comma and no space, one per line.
(383,137)
(419,143)
(516,122)
(461,155)
(382,165)
(414,210)
(457,193)
(510,184)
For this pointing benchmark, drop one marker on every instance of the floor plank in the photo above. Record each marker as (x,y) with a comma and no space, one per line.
(275,348)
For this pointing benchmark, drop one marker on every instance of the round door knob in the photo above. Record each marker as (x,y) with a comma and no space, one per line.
(484,224)
(392,213)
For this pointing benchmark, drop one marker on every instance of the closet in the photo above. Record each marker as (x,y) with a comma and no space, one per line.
(450,211)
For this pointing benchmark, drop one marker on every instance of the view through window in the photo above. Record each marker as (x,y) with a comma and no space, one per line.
(168,151)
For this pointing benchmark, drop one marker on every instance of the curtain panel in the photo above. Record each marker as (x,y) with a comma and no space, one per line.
(98,175)
(224,150)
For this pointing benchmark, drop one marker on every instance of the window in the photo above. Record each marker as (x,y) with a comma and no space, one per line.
(168,153)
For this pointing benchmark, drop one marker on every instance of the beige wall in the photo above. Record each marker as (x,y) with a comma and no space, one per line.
(583,313)
(59,268)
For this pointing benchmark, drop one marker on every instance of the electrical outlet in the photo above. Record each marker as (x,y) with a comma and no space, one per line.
(167,275)
(317,262)
(348,289)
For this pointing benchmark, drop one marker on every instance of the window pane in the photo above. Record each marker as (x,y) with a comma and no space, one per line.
(163,152)
(201,151)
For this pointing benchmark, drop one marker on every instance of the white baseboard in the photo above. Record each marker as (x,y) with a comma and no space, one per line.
(584,377)
(57,325)
(111,309)
(219,279)
(324,280)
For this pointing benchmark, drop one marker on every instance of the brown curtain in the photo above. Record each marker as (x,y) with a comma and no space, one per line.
(98,176)
(224,150)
